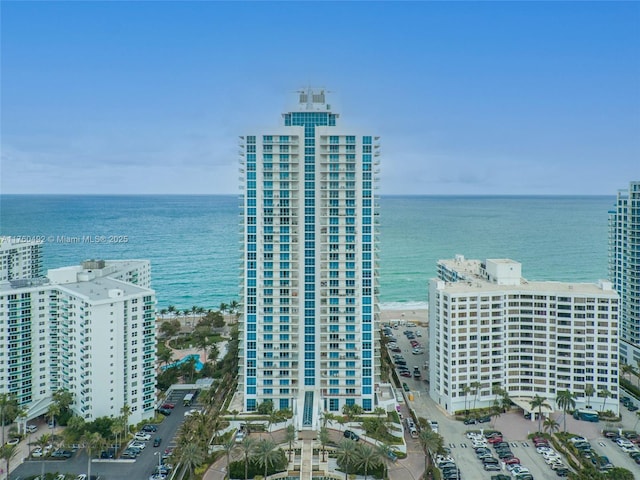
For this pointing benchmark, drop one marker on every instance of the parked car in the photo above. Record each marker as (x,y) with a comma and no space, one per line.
(37,452)
(149,428)
(62,454)
(352,435)
(405,373)
(31,429)
(142,436)
(164,411)
(492,467)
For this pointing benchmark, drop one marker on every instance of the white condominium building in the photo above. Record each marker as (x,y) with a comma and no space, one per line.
(20,258)
(488,328)
(83,330)
(624,268)
(309,336)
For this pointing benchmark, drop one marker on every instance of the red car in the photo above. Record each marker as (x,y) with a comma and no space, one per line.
(494,440)
(415,343)
(512,461)
(405,373)
(170,406)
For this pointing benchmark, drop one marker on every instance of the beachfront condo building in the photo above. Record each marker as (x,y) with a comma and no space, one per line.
(83,330)
(624,269)
(490,330)
(20,257)
(309,277)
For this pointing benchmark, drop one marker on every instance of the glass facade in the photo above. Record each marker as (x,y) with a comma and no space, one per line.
(308,340)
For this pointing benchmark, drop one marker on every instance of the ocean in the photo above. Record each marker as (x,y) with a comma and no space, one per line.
(193,241)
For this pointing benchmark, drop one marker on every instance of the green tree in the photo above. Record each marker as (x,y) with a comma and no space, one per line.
(367,457)
(92,442)
(52,412)
(566,401)
(383,450)
(223,308)
(604,393)
(64,399)
(214,352)
(551,426)
(431,443)
(8,453)
(42,442)
(266,454)
(163,312)
(170,328)
(323,436)
(589,390)
(164,356)
(228,447)
(346,454)
(496,411)
(7,401)
(352,411)
(539,403)
(247,446)
(476,389)
(171,309)
(466,390)
(191,456)
(125,411)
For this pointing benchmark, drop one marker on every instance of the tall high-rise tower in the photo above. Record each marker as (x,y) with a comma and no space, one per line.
(624,268)
(308,339)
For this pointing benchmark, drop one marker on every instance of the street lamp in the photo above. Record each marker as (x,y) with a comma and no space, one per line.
(159,453)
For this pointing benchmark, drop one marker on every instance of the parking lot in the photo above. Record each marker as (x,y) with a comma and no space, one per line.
(513,425)
(117,469)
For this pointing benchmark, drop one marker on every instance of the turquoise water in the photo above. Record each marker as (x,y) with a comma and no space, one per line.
(193,242)
(197,366)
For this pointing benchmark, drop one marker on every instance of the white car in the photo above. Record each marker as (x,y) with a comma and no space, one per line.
(37,452)
(137,444)
(552,459)
(631,449)
(471,435)
(518,469)
(578,439)
(82,476)
(141,436)
(544,449)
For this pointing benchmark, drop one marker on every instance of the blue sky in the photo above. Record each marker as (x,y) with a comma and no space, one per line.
(469,98)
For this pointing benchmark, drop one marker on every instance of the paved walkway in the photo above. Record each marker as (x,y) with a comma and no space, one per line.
(410,468)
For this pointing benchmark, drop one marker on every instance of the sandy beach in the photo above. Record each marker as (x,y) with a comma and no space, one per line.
(419,316)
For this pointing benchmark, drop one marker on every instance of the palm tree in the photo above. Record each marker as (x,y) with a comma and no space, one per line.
(92,442)
(383,450)
(125,411)
(164,356)
(194,310)
(223,307)
(42,442)
(7,453)
(52,412)
(588,392)
(248,446)
(346,454)
(191,456)
(566,401)
(228,447)
(163,313)
(466,389)
(5,401)
(323,436)
(171,309)
(431,442)
(551,426)
(475,386)
(604,393)
(539,402)
(266,454)
(367,456)
(496,411)
(214,351)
